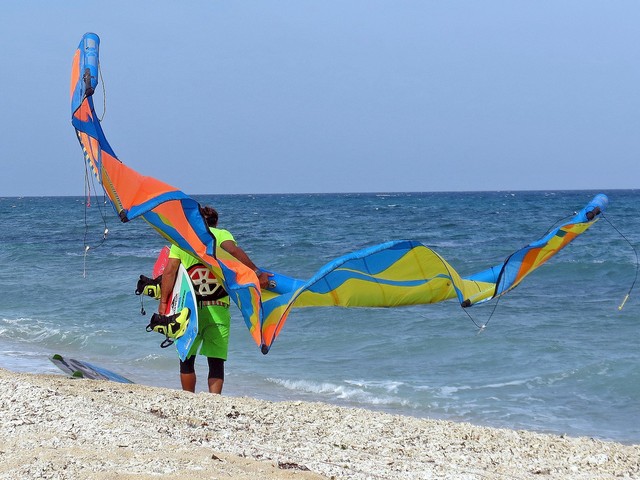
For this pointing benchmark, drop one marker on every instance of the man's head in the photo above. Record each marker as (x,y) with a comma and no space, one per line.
(210,215)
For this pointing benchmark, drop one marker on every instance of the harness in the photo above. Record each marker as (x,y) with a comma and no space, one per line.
(205,284)
(208,290)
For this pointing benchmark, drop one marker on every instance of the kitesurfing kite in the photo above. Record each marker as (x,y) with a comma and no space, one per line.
(392,274)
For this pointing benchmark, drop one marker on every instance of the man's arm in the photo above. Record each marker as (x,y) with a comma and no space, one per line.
(166,287)
(239,253)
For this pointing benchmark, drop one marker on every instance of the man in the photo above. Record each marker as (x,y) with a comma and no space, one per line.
(214,318)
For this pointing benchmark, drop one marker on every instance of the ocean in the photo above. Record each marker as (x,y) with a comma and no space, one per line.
(556,356)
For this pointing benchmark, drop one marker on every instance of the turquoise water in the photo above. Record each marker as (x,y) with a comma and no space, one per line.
(557,354)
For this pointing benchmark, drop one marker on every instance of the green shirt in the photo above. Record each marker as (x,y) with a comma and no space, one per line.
(189,260)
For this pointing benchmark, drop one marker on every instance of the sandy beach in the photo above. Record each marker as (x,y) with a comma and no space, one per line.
(54,427)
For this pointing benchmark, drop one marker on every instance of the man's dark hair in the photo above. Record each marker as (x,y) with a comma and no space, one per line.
(210,215)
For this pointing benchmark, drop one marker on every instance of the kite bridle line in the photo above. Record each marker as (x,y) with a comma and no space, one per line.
(635,278)
(501,277)
(560,220)
(104,95)
(446,267)
(495,307)
(89,183)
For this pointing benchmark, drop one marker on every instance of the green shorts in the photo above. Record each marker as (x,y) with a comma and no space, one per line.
(213,332)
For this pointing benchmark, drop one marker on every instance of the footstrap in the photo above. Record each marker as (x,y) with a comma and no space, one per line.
(171,326)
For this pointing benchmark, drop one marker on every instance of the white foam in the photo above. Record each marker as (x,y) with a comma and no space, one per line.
(341,392)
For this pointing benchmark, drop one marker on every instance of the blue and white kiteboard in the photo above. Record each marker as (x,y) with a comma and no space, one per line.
(80,369)
(183,296)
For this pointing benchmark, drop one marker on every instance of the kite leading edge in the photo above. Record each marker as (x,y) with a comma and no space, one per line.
(391,274)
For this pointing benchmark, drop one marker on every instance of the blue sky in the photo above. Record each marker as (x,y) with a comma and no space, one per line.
(330,96)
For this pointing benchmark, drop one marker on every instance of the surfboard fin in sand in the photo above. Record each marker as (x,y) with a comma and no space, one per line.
(171,326)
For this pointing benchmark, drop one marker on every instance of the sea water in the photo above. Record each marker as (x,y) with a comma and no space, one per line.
(556,355)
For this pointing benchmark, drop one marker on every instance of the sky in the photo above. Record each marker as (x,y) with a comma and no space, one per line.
(300,96)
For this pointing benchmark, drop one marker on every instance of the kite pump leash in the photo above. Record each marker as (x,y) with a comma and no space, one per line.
(635,278)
